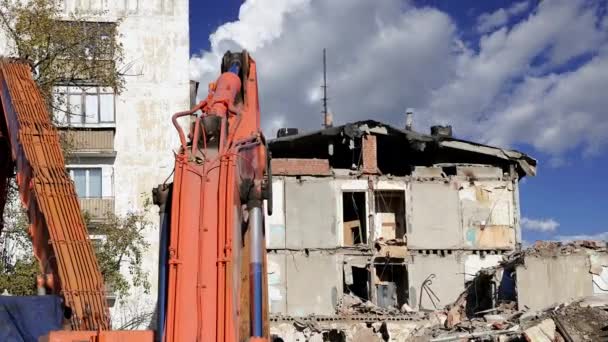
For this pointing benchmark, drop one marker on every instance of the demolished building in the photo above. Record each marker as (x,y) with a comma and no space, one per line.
(551,291)
(394,218)
(546,274)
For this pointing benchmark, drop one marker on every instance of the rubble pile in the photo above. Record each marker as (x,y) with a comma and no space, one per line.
(489,309)
(353,305)
(581,320)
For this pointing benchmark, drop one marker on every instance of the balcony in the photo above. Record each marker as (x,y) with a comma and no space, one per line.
(89,142)
(97,208)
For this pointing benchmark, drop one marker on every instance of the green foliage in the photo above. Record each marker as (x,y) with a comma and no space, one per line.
(122,247)
(18,267)
(63,49)
(19,279)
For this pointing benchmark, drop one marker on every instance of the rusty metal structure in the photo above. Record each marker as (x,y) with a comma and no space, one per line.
(30,143)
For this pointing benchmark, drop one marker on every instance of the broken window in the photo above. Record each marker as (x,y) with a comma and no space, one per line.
(391,283)
(390,214)
(480,295)
(354,218)
(356,280)
(334,335)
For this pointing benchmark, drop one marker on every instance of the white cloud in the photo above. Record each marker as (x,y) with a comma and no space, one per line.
(539,225)
(386,56)
(603,236)
(375,53)
(489,21)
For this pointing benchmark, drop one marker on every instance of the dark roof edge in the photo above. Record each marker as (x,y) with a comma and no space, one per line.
(525,163)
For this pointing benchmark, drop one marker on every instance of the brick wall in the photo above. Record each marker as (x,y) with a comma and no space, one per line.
(370,153)
(300,167)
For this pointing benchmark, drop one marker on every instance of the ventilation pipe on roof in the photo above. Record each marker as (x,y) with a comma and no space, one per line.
(409,119)
(329,119)
(441,131)
(285,132)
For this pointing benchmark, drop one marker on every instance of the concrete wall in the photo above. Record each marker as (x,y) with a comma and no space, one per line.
(275,223)
(310,213)
(544,281)
(475,209)
(471,210)
(435,221)
(156,39)
(488,219)
(301,285)
(447,283)
(277,283)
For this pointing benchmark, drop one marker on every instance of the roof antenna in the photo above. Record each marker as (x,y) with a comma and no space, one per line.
(327,117)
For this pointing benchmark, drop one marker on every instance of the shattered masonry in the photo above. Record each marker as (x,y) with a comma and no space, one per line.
(549,292)
(373,223)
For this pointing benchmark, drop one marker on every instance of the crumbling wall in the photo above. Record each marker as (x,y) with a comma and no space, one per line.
(543,281)
(471,207)
(487,214)
(456,219)
(435,280)
(301,285)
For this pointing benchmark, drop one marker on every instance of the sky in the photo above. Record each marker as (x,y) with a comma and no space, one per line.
(528,75)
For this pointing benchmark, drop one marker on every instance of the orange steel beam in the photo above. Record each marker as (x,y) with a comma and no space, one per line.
(219,176)
(99,336)
(59,235)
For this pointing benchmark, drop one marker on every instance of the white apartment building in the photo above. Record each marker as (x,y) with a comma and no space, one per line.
(124,143)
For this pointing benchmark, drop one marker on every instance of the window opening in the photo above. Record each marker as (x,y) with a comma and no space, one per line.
(391,284)
(390,211)
(354,218)
(357,282)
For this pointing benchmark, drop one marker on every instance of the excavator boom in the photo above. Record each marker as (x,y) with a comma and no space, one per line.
(216,250)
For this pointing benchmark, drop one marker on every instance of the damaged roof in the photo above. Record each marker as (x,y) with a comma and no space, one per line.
(302,144)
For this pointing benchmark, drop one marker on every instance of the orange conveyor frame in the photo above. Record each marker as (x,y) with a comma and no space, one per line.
(29,143)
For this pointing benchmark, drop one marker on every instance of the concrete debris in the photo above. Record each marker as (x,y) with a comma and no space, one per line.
(494,318)
(394,248)
(351,304)
(366,335)
(542,332)
(406,309)
(489,309)
(585,319)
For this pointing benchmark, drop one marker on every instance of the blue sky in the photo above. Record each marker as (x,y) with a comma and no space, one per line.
(521,74)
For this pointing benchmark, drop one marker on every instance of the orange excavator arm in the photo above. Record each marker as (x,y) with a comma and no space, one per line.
(29,144)
(216,283)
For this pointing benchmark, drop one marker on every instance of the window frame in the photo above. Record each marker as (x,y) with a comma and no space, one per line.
(87,169)
(83,92)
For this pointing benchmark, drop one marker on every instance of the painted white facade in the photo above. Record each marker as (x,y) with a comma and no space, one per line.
(155,38)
